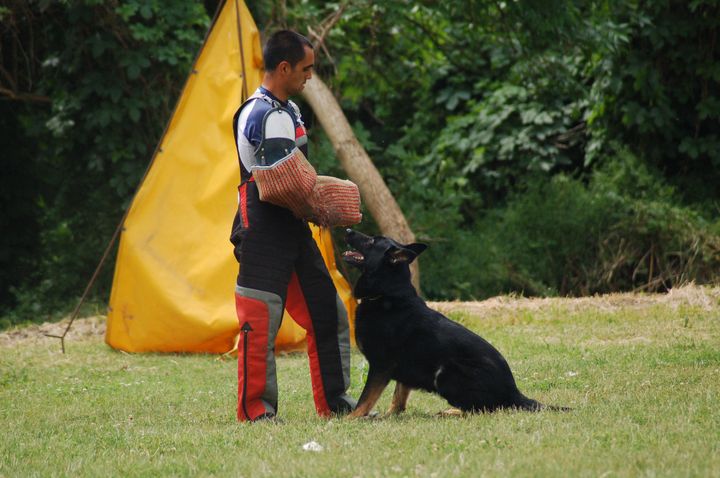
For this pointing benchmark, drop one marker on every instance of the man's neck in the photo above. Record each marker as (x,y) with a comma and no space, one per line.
(269,84)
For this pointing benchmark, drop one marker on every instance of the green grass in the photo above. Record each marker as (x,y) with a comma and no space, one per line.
(644,382)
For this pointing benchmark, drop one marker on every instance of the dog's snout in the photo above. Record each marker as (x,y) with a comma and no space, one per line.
(351,236)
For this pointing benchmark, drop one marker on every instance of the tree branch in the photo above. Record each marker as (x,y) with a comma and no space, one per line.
(28,97)
(324,28)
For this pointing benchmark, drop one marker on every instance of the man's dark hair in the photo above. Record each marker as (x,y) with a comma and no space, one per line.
(284,45)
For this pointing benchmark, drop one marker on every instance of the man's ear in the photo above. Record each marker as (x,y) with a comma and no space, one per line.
(405,254)
(284,67)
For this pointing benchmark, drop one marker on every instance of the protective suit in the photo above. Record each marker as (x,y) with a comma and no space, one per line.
(280,264)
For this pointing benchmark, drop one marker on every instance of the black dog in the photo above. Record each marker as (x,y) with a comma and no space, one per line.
(406,341)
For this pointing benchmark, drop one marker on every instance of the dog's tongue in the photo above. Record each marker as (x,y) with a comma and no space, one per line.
(353,255)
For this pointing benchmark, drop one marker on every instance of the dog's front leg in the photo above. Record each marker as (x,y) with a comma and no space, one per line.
(400,398)
(374,387)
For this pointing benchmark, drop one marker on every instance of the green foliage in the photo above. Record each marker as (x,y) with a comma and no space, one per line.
(117,61)
(659,93)
(513,160)
(556,147)
(111,73)
(510,133)
(20,184)
(620,232)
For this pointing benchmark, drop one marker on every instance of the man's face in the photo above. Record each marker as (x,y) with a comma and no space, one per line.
(302,72)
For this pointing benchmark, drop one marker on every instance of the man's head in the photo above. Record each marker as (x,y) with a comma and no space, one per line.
(289,59)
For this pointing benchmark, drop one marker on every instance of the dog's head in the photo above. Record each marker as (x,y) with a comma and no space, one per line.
(383,262)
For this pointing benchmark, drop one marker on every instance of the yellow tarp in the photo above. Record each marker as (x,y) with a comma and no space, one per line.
(174,283)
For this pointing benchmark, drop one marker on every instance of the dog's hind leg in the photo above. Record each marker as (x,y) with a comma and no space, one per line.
(374,387)
(400,398)
(466,388)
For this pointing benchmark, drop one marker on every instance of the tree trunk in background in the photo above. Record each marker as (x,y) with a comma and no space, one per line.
(359,167)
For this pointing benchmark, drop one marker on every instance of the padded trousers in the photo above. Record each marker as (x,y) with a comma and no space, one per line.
(281,267)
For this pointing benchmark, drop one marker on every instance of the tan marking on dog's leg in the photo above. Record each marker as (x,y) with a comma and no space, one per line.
(371,393)
(400,398)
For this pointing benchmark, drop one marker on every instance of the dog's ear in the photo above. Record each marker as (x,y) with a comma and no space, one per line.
(417,247)
(405,254)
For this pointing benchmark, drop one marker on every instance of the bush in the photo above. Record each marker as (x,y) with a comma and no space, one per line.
(107,74)
(620,232)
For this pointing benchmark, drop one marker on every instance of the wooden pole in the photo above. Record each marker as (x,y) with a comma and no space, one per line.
(359,167)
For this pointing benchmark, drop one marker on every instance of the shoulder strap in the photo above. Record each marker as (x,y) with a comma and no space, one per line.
(258,95)
(280,144)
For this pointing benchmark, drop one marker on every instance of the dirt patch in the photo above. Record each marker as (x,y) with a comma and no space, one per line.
(83,328)
(705,298)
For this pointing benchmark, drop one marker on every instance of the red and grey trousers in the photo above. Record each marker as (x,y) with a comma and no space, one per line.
(281,267)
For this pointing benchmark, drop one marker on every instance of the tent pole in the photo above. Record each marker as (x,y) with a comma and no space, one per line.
(92,281)
(242,52)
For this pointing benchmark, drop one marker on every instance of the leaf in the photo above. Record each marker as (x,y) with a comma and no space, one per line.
(543,118)
(134,114)
(133,71)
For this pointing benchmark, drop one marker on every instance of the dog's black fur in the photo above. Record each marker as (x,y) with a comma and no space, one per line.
(406,341)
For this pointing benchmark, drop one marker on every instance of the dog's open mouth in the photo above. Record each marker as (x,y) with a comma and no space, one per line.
(353,257)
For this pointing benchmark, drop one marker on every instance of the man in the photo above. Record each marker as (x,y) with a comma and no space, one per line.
(280,264)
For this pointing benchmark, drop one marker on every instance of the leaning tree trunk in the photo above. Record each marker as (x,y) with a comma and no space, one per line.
(359,167)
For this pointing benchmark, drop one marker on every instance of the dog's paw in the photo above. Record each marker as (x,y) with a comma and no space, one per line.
(372,415)
(451,412)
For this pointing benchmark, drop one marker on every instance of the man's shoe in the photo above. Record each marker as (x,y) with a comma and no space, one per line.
(267,417)
(342,405)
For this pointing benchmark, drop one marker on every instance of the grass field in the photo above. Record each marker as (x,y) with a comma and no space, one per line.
(642,374)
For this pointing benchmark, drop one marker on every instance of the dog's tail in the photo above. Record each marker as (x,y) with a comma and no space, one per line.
(524,403)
